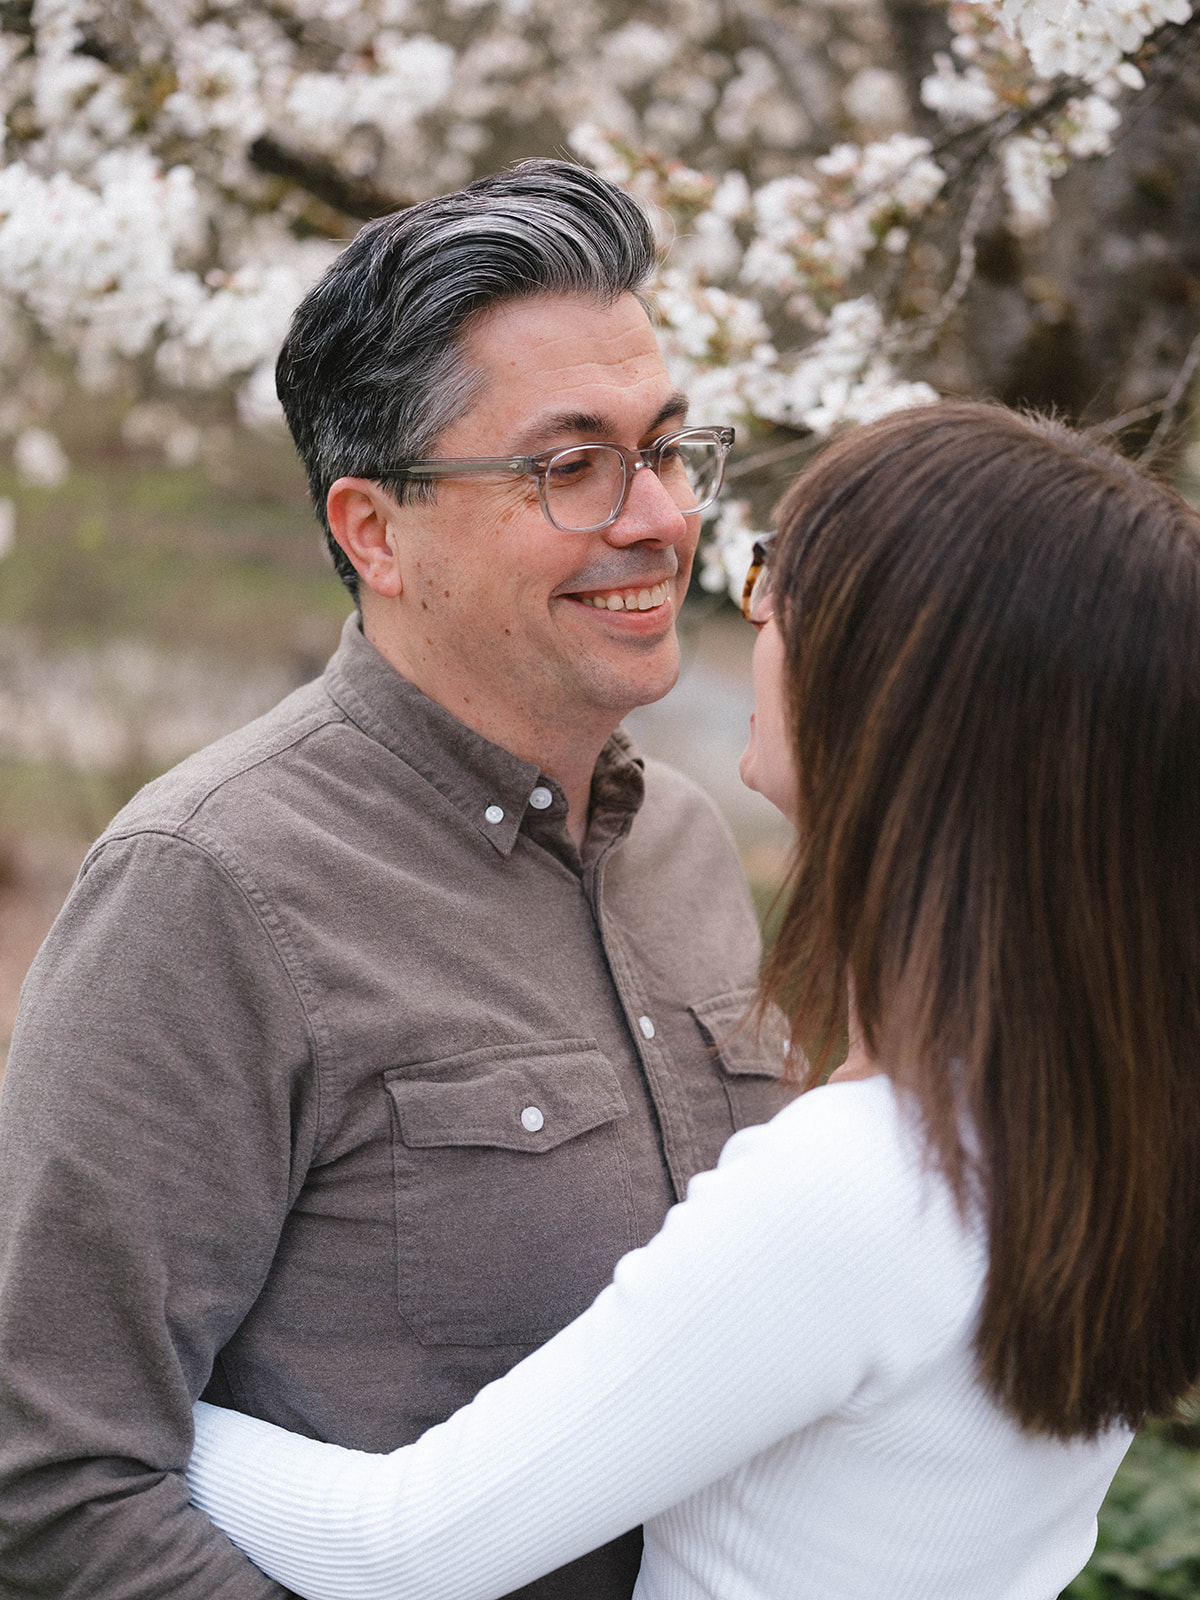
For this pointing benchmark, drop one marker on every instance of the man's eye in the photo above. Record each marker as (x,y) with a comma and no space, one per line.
(568,469)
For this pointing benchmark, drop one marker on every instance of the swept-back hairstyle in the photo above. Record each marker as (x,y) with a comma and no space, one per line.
(373,368)
(992,634)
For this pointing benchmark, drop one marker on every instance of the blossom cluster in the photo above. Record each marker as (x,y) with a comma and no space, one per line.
(155,155)
(813,234)
(1004,57)
(1085,38)
(175,173)
(809,236)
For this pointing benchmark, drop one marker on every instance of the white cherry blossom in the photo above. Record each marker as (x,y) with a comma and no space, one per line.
(40,459)
(152,223)
(727,554)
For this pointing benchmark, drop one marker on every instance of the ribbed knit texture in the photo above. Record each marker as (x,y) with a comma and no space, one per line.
(780,1384)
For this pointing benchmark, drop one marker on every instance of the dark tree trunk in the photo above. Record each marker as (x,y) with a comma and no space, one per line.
(1111,295)
(1096,317)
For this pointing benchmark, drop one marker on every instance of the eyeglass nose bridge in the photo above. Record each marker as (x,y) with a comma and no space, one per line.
(632,462)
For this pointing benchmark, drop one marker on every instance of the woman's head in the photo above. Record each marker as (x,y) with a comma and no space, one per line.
(990,633)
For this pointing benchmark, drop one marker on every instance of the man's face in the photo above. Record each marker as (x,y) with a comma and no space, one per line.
(497,619)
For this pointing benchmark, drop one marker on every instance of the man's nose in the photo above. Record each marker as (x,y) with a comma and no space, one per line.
(649,512)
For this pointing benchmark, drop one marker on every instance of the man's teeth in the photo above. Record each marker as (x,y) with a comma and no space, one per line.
(628,599)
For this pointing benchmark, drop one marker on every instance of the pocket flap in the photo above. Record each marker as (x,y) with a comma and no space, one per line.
(744,1049)
(528,1097)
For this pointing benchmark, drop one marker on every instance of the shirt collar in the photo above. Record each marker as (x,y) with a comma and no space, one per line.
(491,788)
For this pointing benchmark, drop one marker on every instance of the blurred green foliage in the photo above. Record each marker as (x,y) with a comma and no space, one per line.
(224,554)
(132,550)
(221,559)
(55,800)
(1149,1542)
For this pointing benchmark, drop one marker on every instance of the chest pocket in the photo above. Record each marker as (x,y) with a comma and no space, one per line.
(513,1201)
(751,1058)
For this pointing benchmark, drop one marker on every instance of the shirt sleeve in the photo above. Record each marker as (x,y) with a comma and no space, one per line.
(152,1132)
(795,1277)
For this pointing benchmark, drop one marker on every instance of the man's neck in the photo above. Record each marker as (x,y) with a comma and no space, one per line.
(566,753)
(575,777)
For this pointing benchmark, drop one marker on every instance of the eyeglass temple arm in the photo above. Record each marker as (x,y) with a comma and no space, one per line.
(455,467)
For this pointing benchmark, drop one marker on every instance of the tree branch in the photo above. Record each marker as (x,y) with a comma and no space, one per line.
(16,16)
(354,197)
(1171,402)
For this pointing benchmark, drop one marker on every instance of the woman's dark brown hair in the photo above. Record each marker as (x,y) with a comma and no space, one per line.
(992,634)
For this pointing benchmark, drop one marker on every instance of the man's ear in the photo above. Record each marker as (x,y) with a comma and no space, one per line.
(361,518)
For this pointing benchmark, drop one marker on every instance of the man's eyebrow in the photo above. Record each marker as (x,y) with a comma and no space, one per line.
(546,432)
(674,407)
(549,430)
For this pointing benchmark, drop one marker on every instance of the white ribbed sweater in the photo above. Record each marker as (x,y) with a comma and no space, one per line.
(780,1385)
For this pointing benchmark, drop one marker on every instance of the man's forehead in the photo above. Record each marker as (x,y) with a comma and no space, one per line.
(568,366)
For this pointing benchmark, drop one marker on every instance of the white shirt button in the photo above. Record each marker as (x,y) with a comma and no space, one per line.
(541,798)
(647,1027)
(494,814)
(531,1119)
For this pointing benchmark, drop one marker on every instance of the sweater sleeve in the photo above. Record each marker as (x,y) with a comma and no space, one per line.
(153,1123)
(797,1276)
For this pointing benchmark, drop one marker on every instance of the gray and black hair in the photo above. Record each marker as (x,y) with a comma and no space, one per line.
(373,368)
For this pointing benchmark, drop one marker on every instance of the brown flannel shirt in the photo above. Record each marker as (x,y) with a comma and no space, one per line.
(341,1082)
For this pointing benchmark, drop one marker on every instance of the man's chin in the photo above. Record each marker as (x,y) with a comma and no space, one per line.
(651,696)
(622,692)
(648,687)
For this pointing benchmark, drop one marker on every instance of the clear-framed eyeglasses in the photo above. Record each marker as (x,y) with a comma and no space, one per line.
(584,487)
(758,598)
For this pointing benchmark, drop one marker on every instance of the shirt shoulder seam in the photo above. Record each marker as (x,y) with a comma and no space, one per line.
(272,924)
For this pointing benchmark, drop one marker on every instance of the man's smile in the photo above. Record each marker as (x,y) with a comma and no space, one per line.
(642,598)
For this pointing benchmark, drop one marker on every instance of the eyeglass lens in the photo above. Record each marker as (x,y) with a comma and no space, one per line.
(584,486)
